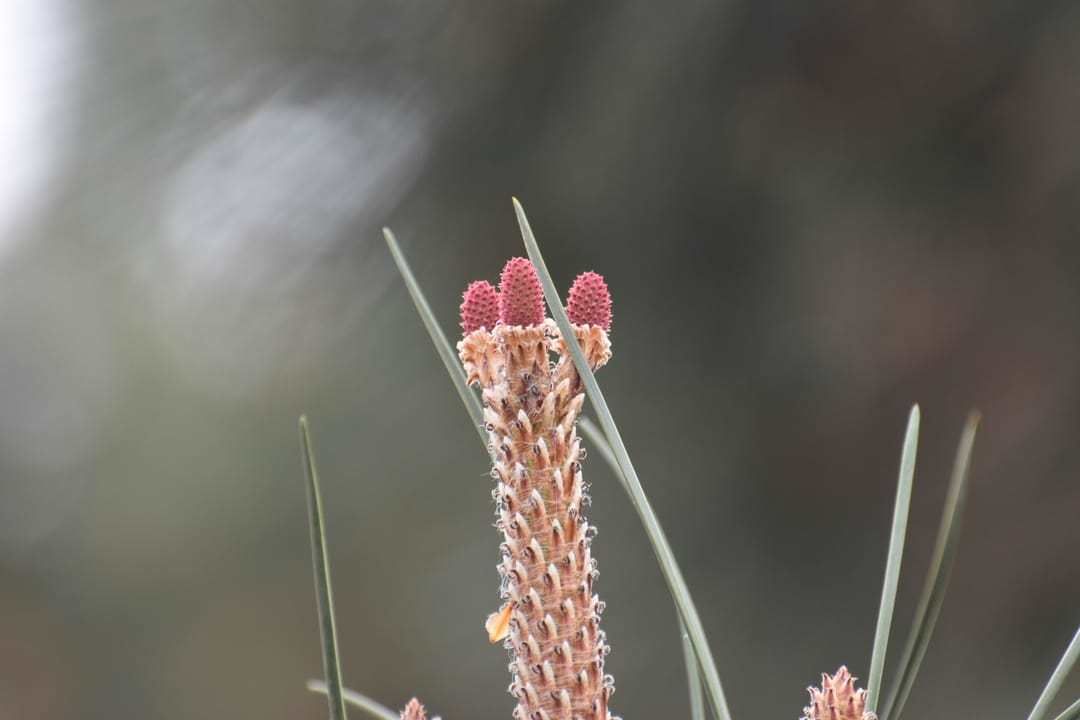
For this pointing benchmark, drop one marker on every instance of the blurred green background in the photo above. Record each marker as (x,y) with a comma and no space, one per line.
(811,215)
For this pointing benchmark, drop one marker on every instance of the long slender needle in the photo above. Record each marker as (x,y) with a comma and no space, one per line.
(1071,713)
(1057,679)
(669,567)
(937,577)
(323,592)
(442,345)
(371,707)
(693,676)
(892,562)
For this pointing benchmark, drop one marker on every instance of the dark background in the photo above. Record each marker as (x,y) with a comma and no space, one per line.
(811,215)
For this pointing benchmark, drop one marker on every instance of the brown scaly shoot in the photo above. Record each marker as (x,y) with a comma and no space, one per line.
(550,618)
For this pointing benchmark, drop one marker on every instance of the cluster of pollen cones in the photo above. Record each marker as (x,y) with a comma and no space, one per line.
(837,699)
(532,395)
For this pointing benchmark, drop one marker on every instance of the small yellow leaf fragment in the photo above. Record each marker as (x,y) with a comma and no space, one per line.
(498,624)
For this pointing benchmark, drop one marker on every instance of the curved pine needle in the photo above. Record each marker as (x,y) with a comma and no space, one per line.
(937,577)
(693,676)
(693,673)
(596,436)
(1057,679)
(669,567)
(893,560)
(442,345)
(372,707)
(321,564)
(1071,713)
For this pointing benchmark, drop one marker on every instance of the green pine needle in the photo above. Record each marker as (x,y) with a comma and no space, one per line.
(892,563)
(442,345)
(664,555)
(693,673)
(937,577)
(1071,713)
(693,676)
(1057,679)
(321,563)
(371,707)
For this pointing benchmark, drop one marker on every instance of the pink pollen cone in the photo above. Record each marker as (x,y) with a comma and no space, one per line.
(521,300)
(479,306)
(589,301)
